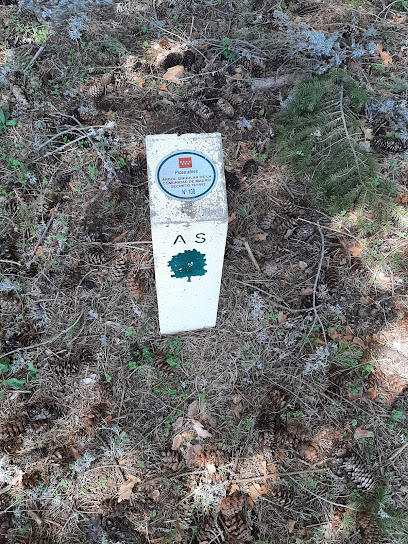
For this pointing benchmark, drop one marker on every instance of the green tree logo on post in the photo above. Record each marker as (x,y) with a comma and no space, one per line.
(187,264)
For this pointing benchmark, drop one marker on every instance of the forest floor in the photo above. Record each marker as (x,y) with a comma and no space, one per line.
(287,422)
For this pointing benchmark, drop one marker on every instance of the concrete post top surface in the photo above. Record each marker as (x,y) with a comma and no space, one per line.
(186,178)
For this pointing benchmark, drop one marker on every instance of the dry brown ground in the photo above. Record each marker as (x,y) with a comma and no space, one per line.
(307,426)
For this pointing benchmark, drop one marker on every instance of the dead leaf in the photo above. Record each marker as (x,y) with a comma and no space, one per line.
(232,217)
(173,73)
(306,291)
(238,410)
(139,80)
(211,468)
(349,335)
(362,433)
(373,393)
(193,409)
(302,265)
(256,490)
(356,250)
(154,494)
(164,88)
(17,478)
(177,441)
(290,525)
(366,300)
(368,133)
(281,317)
(261,237)
(384,55)
(199,429)
(179,529)
(281,455)
(126,488)
(178,423)
(358,341)
(250,504)
(39,251)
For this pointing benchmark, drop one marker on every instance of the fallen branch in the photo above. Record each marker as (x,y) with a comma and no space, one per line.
(273,83)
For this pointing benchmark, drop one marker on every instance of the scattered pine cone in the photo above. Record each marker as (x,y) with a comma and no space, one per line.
(392,144)
(332,279)
(31,479)
(11,446)
(26,334)
(161,364)
(268,221)
(226,108)
(358,472)
(189,58)
(95,414)
(368,527)
(96,257)
(112,507)
(133,285)
(200,109)
(9,304)
(119,528)
(233,98)
(98,88)
(310,452)
(232,181)
(210,532)
(5,526)
(67,367)
(293,433)
(119,267)
(280,495)
(233,504)
(13,427)
(278,400)
(238,528)
(211,454)
(281,226)
(390,385)
(265,424)
(172,460)
(288,208)
(339,376)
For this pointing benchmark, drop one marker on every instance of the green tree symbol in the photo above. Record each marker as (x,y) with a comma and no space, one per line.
(187,264)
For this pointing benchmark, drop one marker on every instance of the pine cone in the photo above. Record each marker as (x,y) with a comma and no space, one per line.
(310,452)
(12,207)
(96,257)
(340,377)
(11,446)
(141,161)
(332,279)
(226,108)
(280,495)
(111,506)
(31,479)
(369,529)
(161,364)
(67,367)
(9,304)
(194,91)
(5,252)
(268,220)
(200,109)
(5,527)
(293,433)
(281,226)
(278,400)
(172,59)
(119,528)
(133,285)
(13,427)
(189,58)
(172,460)
(358,473)
(210,532)
(119,267)
(265,424)
(211,454)
(232,181)
(185,515)
(233,98)
(95,414)
(288,208)
(233,504)
(394,145)
(98,88)
(390,385)
(26,334)
(238,528)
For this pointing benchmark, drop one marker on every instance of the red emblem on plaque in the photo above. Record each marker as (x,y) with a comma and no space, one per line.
(185,162)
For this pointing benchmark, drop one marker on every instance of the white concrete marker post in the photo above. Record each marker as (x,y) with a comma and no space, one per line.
(189,217)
